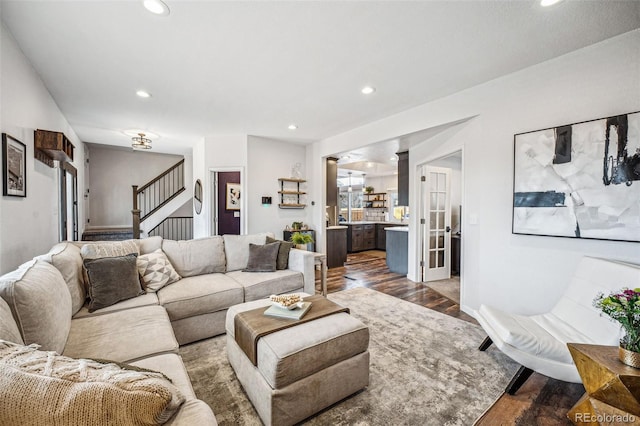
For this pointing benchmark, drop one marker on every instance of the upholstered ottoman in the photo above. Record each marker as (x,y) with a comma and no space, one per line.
(303,369)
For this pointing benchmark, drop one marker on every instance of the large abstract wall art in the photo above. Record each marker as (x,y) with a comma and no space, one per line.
(580,180)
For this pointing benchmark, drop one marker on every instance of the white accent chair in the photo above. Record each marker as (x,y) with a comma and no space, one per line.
(539,342)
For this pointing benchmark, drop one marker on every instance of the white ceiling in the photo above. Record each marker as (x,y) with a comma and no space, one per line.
(253,68)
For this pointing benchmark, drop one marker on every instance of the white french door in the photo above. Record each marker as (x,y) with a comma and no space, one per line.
(435,223)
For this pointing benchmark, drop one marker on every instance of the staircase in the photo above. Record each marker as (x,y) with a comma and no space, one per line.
(152,200)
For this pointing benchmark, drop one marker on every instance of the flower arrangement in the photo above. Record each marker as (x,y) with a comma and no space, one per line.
(623,307)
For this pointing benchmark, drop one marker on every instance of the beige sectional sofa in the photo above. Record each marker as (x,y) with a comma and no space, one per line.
(44,302)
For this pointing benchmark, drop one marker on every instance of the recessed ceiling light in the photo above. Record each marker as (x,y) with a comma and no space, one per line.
(143,94)
(367,90)
(547,3)
(345,157)
(292,127)
(157,7)
(394,158)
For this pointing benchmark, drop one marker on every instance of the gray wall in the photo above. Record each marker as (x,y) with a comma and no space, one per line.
(112,171)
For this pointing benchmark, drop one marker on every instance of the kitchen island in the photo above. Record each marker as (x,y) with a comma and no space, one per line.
(398,249)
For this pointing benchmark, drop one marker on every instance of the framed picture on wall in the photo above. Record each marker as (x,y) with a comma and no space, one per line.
(14,172)
(579,180)
(233,196)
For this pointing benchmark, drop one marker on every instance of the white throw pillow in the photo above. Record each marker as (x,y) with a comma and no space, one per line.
(156,271)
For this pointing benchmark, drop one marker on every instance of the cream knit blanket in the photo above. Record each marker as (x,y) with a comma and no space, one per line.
(44,388)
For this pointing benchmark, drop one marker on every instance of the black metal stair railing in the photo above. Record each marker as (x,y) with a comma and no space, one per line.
(152,196)
(174,228)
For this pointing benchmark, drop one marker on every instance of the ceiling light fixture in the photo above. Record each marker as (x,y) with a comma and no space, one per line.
(292,127)
(349,188)
(143,94)
(367,90)
(157,7)
(547,3)
(140,142)
(394,158)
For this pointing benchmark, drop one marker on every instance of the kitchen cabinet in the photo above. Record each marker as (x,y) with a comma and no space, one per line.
(355,238)
(381,237)
(369,236)
(403,178)
(336,246)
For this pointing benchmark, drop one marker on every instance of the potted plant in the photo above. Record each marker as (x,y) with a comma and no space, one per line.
(368,189)
(624,307)
(301,240)
(296,225)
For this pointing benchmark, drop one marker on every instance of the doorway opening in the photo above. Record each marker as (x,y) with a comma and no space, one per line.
(226,202)
(68,194)
(440,229)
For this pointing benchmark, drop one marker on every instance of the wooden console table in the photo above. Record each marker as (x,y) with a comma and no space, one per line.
(320,259)
(612,388)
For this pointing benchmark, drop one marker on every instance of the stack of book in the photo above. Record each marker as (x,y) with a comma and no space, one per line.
(297,313)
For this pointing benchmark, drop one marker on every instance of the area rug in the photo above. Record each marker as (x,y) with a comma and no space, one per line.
(425,369)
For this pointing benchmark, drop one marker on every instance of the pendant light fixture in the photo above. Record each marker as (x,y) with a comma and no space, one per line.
(140,142)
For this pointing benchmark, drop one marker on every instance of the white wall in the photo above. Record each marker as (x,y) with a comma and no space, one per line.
(29,226)
(222,153)
(112,172)
(513,272)
(268,161)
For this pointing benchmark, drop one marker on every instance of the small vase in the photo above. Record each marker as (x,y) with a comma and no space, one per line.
(629,358)
(301,246)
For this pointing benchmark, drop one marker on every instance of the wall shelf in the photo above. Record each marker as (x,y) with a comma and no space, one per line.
(50,145)
(375,200)
(290,193)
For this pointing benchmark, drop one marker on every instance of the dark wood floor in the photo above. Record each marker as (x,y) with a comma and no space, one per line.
(541,401)
(369,270)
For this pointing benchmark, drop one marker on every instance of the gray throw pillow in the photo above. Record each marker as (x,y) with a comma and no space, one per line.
(283,253)
(111,280)
(262,258)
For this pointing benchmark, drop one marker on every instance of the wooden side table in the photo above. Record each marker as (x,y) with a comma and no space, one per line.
(612,388)
(320,259)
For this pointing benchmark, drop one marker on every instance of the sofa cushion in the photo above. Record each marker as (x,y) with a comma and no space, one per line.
(109,249)
(283,252)
(156,271)
(66,257)
(236,248)
(62,390)
(262,258)
(258,285)
(150,244)
(123,336)
(40,304)
(147,299)
(196,257)
(200,295)
(193,412)
(112,279)
(8,327)
(171,366)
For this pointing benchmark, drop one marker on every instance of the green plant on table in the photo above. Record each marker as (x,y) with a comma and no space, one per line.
(368,189)
(624,307)
(300,238)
